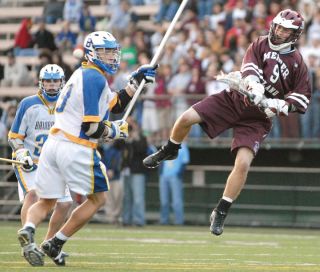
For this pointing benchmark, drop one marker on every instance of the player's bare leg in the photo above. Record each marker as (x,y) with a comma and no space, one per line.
(79,217)
(179,132)
(234,185)
(57,220)
(35,215)
(29,199)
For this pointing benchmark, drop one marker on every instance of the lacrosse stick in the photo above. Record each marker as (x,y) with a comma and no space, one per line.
(11,161)
(156,56)
(235,82)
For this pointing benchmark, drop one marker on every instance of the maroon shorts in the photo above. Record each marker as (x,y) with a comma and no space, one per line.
(226,110)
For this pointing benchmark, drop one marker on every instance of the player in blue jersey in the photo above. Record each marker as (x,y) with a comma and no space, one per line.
(29,131)
(70,155)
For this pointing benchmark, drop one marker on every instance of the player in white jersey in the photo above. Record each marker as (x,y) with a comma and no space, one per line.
(29,131)
(69,156)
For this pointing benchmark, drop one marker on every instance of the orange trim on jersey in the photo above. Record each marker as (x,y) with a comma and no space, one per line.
(91,118)
(46,103)
(74,139)
(86,65)
(113,102)
(12,135)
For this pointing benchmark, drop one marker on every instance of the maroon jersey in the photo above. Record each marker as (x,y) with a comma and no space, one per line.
(284,75)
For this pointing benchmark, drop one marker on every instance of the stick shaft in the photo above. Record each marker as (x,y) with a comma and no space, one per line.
(11,161)
(156,56)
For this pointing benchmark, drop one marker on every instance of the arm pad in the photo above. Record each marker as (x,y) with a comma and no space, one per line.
(122,102)
(93,130)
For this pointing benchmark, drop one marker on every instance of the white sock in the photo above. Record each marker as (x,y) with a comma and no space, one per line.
(227,199)
(29,225)
(173,141)
(61,236)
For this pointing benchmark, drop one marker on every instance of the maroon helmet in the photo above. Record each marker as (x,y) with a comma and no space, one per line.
(288,19)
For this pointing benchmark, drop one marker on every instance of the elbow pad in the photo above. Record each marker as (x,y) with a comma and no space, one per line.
(123,101)
(93,130)
(15,143)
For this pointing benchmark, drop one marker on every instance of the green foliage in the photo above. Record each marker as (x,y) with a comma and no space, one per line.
(100,247)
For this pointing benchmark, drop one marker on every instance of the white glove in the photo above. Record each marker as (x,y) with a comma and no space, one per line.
(274,106)
(23,155)
(115,130)
(146,72)
(256,89)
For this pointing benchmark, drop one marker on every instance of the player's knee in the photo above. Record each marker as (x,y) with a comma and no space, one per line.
(63,207)
(98,199)
(189,117)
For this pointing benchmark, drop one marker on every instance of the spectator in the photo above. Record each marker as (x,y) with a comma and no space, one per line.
(53,11)
(23,41)
(129,51)
(45,57)
(112,158)
(87,22)
(167,10)
(16,73)
(134,177)
(57,59)
(72,10)
(66,39)
(122,19)
(171,187)
(204,8)
(44,39)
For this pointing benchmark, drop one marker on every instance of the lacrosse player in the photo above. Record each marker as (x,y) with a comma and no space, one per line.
(275,81)
(29,131)
(70,155)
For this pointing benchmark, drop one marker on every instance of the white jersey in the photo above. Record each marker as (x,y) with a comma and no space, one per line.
(32,123)
(85,98)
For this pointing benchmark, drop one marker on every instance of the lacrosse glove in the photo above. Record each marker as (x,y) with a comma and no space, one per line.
(115,130)
(274,106)
(146,72)
(23,155)
(256,90)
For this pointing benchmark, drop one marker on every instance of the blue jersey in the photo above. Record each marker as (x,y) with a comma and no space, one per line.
(85,98)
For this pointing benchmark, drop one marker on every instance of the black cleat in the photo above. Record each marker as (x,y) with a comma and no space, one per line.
(217,221)
(162,154)
(53,250)
(30,250)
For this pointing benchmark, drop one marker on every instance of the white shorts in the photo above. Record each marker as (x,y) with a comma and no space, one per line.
(26,183)
(64,163)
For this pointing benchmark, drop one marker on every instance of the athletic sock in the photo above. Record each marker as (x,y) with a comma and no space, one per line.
(60,238)
(170,146)
(29,225)
(223,205)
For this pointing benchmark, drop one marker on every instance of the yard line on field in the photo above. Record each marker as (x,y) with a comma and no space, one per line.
(243,243)
(143,240)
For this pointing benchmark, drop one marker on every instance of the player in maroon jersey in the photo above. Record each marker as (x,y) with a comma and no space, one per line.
(274,74)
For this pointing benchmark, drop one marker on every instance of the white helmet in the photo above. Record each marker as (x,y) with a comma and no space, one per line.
(51,72)
(108,59)
(288,19)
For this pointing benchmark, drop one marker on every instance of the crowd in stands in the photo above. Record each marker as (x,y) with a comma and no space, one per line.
(211,36)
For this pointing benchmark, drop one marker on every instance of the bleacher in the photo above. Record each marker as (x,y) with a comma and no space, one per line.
(10,18)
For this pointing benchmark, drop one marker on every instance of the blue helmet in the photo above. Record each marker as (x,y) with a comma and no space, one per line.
(55,74)
(102,49)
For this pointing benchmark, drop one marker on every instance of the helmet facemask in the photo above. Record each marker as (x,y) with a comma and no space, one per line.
(286,19)
(51,82)
(108,58)
(102,49)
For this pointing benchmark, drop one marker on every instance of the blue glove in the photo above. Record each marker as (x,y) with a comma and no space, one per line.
(146,72)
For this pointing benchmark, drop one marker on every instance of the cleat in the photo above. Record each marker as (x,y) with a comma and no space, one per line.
(52,250)
(156,158)
(30,250)
(217,221)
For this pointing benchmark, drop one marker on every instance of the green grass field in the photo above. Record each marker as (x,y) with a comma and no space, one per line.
(101,247)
